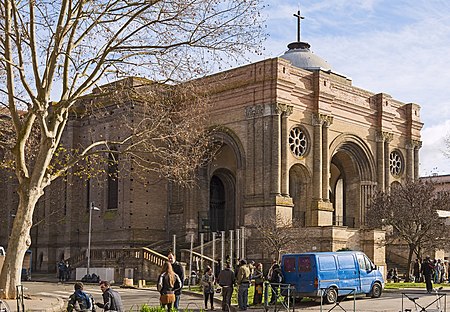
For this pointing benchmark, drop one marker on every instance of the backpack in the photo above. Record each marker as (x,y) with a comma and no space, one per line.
(84,300)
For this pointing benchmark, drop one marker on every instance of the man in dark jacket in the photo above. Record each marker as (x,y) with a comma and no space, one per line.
(275,279)
(80,300)
(179,270)
(226,281)
(111,298)
(427,272)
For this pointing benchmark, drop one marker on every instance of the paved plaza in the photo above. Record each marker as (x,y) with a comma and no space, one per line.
(52,296)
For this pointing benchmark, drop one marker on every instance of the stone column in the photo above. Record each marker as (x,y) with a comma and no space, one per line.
(322,208)
(276,132)
(287,111)
(383,173)
(417,146)
(409,166)
(327,121)
(387,174)
(317,154)
(380,161)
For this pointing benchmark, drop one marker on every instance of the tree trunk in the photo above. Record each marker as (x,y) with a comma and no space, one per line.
(18,242)
(408,267)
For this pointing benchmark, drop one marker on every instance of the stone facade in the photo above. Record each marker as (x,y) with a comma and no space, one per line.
(304,144)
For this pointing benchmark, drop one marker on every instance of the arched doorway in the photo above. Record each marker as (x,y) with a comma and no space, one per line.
(222,201)
(300,192)
(352,181)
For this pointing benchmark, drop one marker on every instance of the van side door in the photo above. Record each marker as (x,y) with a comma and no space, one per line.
(327,273)
(348,272)
(366,273)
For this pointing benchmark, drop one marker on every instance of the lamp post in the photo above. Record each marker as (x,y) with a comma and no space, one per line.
(91,207)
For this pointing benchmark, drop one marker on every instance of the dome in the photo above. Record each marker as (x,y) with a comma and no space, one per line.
(301,56)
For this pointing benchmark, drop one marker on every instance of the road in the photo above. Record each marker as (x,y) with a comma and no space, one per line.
(390,301)
(132,299)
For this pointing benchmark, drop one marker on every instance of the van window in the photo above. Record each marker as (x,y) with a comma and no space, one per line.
(362,263)
(327,263)
(289,264)
(304,264)
(369,263)
(346,262)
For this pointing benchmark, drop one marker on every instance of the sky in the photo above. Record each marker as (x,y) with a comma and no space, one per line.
(398,47)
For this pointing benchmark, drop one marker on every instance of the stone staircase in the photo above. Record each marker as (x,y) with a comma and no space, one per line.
(145,262)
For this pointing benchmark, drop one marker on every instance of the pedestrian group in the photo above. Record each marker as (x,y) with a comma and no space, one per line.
(171,281)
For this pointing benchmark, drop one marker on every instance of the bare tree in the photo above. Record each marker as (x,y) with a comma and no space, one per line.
(409,212)
(275,234)
(280,235)
(53,53)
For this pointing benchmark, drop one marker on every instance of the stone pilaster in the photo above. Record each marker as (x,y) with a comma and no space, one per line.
(327,121)
(417,145)
(387,174)
(317,154)
(287,111)
(277,111)
(383,138)
(409,166)
(322,208)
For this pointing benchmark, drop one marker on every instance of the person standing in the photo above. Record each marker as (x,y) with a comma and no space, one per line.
(179,270)
(258,277)
(80,300)
(427,272)
(168,283)
(226,281)
(416,271)
(68,270)
(61,271)
(243,281)
(111,298)
(276,278)
(208,281)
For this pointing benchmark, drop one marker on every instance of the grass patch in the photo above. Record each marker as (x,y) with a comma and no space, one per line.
(410,285)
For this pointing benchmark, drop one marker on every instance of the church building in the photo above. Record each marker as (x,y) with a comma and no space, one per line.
(298,140)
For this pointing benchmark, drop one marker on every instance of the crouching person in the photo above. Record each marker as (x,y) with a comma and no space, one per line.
(80,300)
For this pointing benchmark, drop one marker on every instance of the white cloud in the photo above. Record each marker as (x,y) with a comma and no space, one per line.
(432,157)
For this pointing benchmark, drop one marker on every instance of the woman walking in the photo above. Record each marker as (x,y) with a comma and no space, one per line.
(208,281)
(168,283)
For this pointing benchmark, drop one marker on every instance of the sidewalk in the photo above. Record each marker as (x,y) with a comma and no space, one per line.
(39,303)
(42,303)
(35,303)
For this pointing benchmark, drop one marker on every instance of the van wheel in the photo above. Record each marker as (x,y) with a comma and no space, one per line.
(331,295)
(376,291)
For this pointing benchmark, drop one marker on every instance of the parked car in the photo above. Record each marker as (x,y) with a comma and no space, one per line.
(332,274)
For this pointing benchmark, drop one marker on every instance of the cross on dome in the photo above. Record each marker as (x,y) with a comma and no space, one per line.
(299,18)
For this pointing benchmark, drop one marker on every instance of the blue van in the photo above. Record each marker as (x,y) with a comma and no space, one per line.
(332,274)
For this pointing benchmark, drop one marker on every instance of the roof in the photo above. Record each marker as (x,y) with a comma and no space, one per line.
(301,56)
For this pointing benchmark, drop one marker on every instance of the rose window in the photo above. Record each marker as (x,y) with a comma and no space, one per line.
(395,163)
(298,142)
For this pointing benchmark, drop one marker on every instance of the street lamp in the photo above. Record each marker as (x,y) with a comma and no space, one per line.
(91,207)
